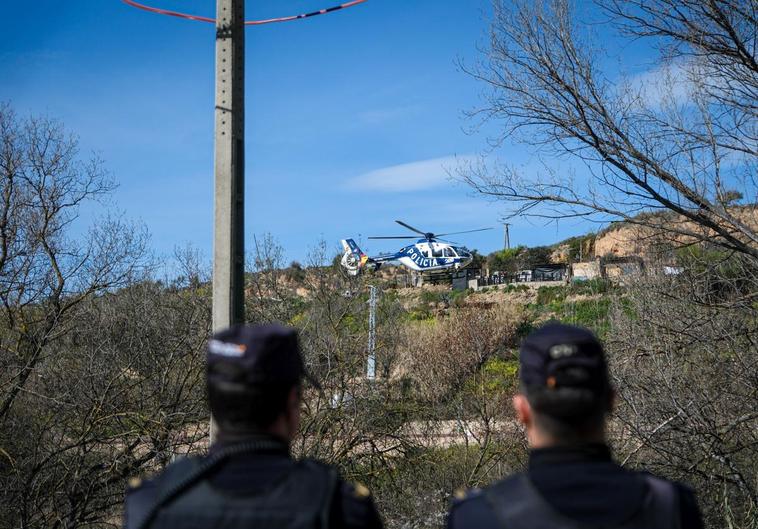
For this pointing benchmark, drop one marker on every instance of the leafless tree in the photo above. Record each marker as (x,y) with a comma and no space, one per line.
(271,295)
(100,364)
(424,425)
(671,152)
(683,352)
(458,412)
(680,140)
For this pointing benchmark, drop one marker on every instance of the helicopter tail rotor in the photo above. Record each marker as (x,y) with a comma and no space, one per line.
(353,260)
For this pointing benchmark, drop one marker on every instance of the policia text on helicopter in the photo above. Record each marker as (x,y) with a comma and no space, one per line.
(249,479)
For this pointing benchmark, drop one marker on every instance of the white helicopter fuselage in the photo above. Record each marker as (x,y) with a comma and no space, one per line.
(429,257)
(423,256)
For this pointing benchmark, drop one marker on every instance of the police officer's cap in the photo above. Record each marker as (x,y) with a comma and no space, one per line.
(252,356)
(557,356)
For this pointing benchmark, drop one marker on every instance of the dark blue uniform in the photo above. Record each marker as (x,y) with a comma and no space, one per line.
(250,474)
(582,484)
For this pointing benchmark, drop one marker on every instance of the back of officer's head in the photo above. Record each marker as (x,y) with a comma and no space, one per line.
(564,376)
(251,372)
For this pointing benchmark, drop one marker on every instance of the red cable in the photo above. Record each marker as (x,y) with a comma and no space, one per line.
(247,22)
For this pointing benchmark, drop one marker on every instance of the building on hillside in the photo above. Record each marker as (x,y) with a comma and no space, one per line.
(549,272)
(522,276)
(466,278)
(621,268)
(586,271)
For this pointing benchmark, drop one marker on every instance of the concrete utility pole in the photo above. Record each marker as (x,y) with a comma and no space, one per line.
(371,362)
(229,208)
(229,205)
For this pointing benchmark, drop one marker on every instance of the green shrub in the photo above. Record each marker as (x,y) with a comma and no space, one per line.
(458,299)
(432,296)
(421,314)
(548,295)
(591,313)
(506,260)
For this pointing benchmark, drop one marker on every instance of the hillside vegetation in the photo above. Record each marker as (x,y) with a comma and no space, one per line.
(682,352)
(126,396)
(102,364)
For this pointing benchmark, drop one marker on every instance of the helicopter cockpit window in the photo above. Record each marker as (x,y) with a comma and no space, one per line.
(426,252)
(436,251)
(448,252)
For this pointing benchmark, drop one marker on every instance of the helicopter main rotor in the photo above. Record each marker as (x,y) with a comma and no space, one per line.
(429,236)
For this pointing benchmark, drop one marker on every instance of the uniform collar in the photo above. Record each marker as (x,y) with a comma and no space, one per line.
(584,453)
(276,445)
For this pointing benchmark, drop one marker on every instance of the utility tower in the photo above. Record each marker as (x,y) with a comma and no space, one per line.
(371,362)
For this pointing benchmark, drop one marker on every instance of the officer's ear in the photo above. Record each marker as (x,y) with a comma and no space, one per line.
(293,400)
(523,409)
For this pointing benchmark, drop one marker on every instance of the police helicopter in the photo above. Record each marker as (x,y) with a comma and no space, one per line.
(428,254)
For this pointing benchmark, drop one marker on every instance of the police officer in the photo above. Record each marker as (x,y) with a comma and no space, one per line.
(571,481)
(249,479)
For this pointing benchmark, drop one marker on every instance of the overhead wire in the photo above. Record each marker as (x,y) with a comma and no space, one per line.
(247,22)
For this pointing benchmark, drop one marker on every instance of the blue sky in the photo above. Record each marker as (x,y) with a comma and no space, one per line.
(351,117)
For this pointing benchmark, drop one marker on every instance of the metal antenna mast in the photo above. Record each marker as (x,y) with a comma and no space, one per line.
(229,205)
(371,362)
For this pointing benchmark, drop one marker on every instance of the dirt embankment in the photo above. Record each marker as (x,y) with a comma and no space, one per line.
(633,240)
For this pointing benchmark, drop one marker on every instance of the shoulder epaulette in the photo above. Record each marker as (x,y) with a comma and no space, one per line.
(461,495)
(360,490)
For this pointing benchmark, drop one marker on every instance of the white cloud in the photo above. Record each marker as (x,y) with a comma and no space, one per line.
(413,176)
(665,84)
